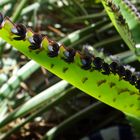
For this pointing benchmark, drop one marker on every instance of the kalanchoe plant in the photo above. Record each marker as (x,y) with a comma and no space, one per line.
(109,83)
(106,82)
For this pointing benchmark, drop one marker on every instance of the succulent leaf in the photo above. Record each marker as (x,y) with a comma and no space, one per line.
(107,83)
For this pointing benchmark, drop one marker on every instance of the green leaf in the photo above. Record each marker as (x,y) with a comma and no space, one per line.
(109,89)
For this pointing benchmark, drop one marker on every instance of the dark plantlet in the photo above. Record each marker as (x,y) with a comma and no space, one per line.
(128,75)
(121,71)
(106,68)
(1,20)
(35,41)
(138,84)
(97,63)
(86,62)
(53,49)
(20,31)
(69,54)
(121,19)
(113,67)
(133,79)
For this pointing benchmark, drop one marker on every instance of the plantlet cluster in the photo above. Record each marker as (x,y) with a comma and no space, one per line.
(69,55)
(107,82)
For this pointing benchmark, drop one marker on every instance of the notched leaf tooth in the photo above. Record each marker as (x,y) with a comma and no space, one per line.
(45,43)
(7,24)
(29,33)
